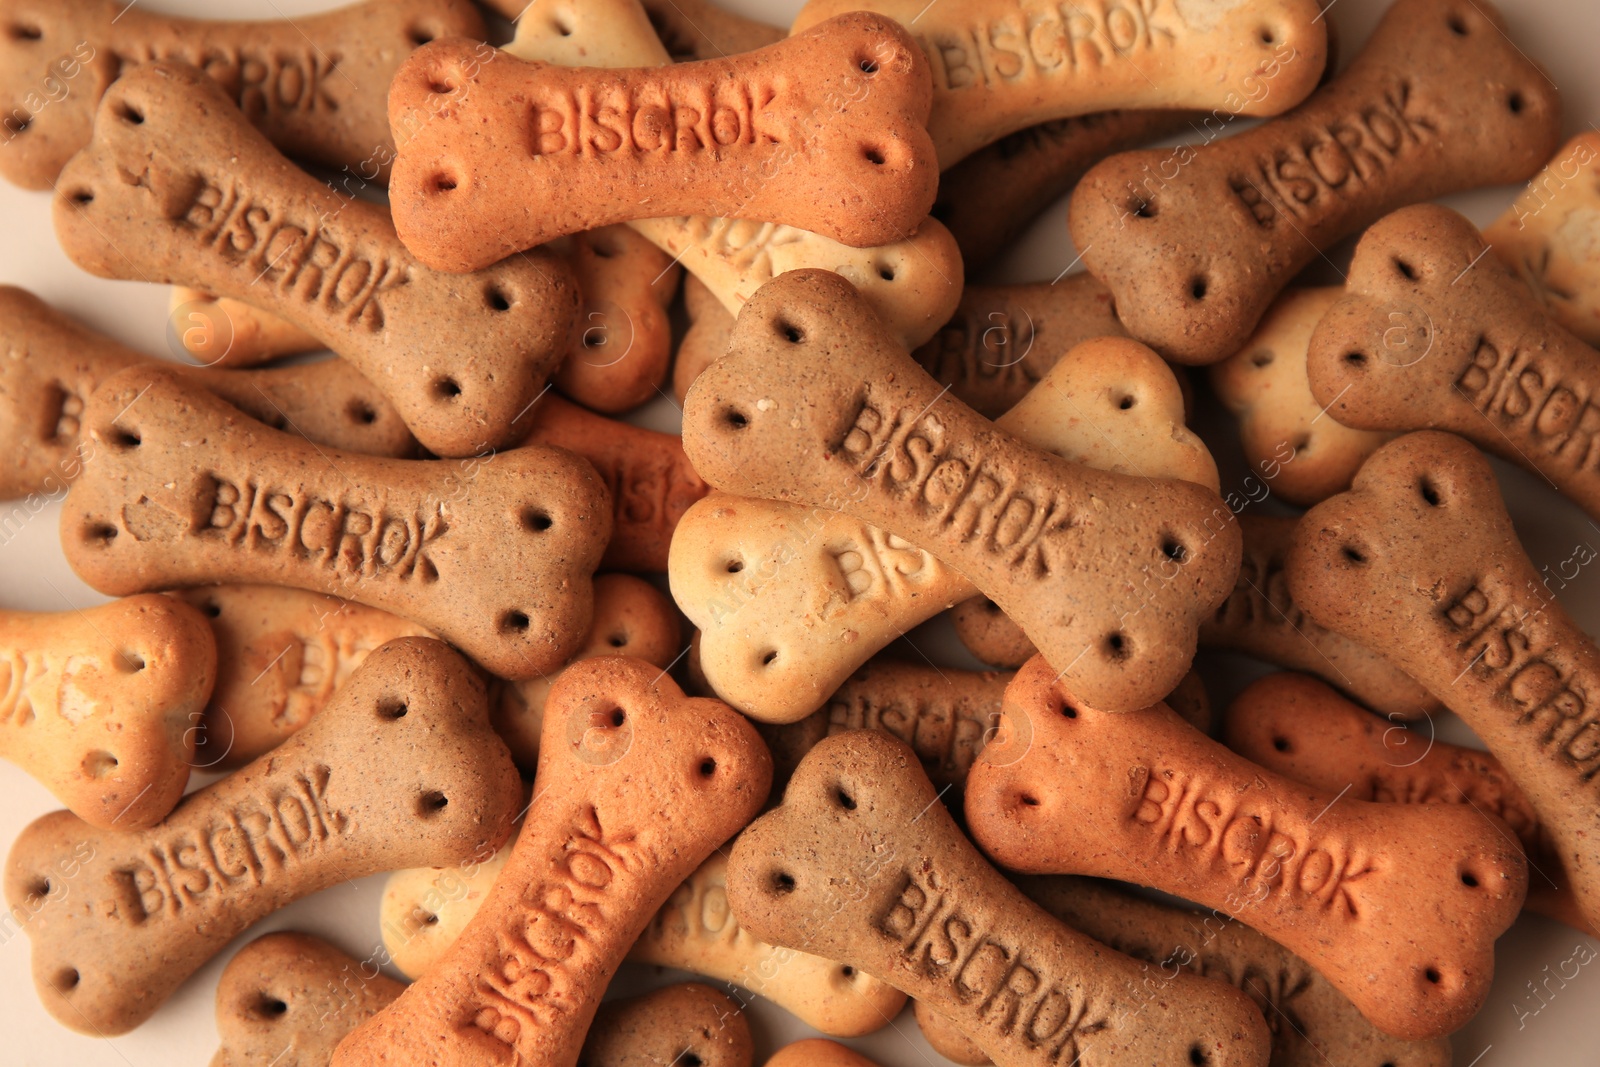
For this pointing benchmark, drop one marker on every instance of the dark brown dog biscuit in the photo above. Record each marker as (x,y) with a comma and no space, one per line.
(177,187)
(1304,730)
(678,1026)
(55,363)
(1420,558)
(286,1000)
(313,84)
(407,740)
(1398,907)
(493,554)
(1108,573)
(1434,333)
(1261,619)
(824,131)
(700,29)
(1195,242)
(861,864)
(637,785)
(651,481)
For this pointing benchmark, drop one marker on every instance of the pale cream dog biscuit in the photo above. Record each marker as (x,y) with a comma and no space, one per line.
(1001,66)
(818,405)
(637,785)
(824,131)
(494,554)
(863,864)
(55,362)
(818,1052)
(1551,236)
(216,205)
(592,33)
(423,910)
(1302,451)
(683,1025)
(1420,557)
(282,654)
(406,740)
(313,84)
(286,999)
(701,29)
(219,332)
(1197,241)
(102,704)
(1433,333)
(1398,907)
(913,281)
(1304,730)
(631,618)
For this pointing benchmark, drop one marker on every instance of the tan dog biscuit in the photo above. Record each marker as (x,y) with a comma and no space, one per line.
(493,554)
(862,864)
(216,205)
(706,340)
(407,738)
(696,931)
(1397,906)
(818,1052)
(423,910)
(637,785)
(282,654)
(631,618)
(824,131)
(1434,334)
(988,199)
(1304,730)
(651,481)
(1550,233)
(945,1038)
(1421,558)
(1197,241)
(100,704)
(1312,1023)
(218,332)
(988,634)
(684,1024)
(1003,339)
(840,416)
(1261,619)
(313,84)
(286,999)
(701,29)
(1304,453)
(595,33)
(997,69)
(55,363)
(913,282)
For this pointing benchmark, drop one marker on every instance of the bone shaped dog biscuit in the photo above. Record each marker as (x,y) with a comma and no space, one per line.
(1065,788)
(408,737)
(739,136)
(818,1052)
(218,332)
(637,785)
(839,415)
(1197,241)
(706,339)
(1305,730)
(313,84)
(56,362)
(997,69)
(862,864)
(596,33)
(1421,558)
(701,29)
(687,1023)
(100,704)
(1434,334)
(175,177)
(187,491)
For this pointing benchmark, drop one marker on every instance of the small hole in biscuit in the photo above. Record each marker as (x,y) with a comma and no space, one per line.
(563,27)
(791,333)
(99,764)
(537,521)
(1356,359)
(1117,645)
(886,273)
(846,801)
(1432,975)
(269,1007)
(782,882)
(867,65)
(991,607)
(41,888)
(1353,554)
(362,412)
(769,657)
(420,36)
(1263,358)
(1197,1056)
(23,32)
(1029,800)
(102,532)
(66,979)
(617,640)
(1142,209)
(1430,494)
(689,1059)
(515,620)
(735,419)
(1515,103)
(83,196)
(1406,269)
(1267,36)
(125,438)
(446,388)
(1126,403)
(1458,25)
(617,717)
(17,122)
(430,919)
(444,183)
(1174,550)
(848,971)
(431,803)
(128,113)
(1301,443)
(211,609)
(497,299)
(1068,711)
(735,566)
(1469,879)
(131,661)
(1281,744)
(1197,288)
(393,709)
(874,156)
(708,767)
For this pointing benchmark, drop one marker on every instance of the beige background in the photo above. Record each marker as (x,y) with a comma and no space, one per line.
(1561,34)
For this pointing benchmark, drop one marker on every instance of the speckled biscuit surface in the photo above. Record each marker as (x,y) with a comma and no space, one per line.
(1195,242)
(701,29)
(100,704)
(861,863)
(687,1023)
(493,554)
(1397,906)
(637,785)
(1421,557)
(314,84)
(823,131)
(215,205)
(406,741)
(1433,333)
(1108,573)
